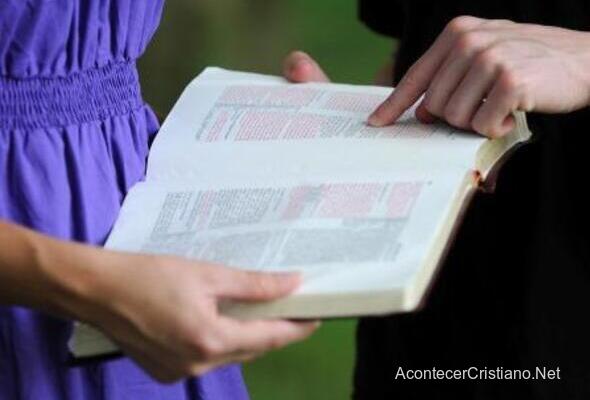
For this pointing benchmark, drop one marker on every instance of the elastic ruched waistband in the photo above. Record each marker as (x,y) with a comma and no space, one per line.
(87,96)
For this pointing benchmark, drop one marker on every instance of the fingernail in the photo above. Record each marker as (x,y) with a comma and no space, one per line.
(299,65)
(373,120)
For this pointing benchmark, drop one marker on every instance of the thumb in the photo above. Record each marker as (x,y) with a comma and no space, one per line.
(299,67)
(255,286)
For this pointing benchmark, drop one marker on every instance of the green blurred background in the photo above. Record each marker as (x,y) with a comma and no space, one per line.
(255,35)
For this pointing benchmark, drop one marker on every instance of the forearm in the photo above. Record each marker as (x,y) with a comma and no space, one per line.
(39,272)
(162,311)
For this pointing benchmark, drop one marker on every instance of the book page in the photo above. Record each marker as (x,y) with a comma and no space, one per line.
(346,237)
(225,123)
(250,172)
(323,229)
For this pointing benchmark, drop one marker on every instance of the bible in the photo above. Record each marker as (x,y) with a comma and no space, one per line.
(252,172)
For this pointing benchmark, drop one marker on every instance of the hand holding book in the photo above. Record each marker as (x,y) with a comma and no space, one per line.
(163,312)
(252,172)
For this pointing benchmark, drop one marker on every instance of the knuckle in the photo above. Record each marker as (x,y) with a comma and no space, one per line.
(460,24)
(454,117)
(432,106)
(205,346)
(466,42)
(509,80)
(498,23)
(487,59)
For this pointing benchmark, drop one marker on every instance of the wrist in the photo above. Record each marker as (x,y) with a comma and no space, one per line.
(62,278)
(27,271)
(70,275)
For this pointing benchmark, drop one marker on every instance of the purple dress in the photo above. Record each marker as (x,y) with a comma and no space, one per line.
(74,135)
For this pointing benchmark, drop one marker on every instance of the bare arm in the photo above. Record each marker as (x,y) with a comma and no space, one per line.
(161,310)
(33,269)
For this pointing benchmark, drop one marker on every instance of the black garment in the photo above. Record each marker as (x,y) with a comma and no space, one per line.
(514,291)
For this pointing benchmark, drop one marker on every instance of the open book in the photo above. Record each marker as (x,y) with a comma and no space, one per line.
(252,172)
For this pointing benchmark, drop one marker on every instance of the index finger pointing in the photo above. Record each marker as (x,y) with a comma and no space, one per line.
(412,85)
(417,80)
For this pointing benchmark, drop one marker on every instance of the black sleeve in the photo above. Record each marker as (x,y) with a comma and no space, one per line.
(383,16)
